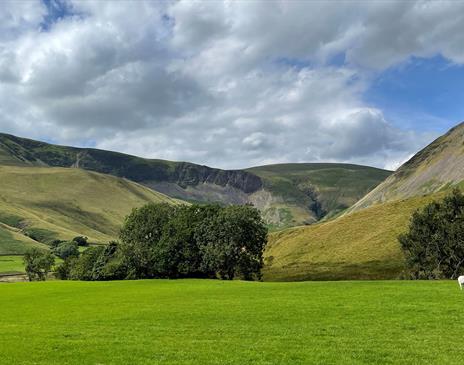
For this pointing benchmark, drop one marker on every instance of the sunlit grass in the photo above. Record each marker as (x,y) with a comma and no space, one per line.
(213,322)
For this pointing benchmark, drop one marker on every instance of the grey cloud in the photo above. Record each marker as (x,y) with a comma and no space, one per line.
(202,81)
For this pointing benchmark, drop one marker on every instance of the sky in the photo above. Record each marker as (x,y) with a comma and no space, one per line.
(234,84)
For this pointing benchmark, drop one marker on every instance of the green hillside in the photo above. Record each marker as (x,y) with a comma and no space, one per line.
(39,204)
(360,245)
(438,166)
(308,192)
(287,194)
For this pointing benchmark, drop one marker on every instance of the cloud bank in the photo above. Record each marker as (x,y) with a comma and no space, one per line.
(229,84)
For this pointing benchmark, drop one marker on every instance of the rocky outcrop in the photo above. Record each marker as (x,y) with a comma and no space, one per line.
(187,174)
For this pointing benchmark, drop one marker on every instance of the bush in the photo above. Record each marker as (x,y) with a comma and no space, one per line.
(434,245)
(81,241)
(66,249)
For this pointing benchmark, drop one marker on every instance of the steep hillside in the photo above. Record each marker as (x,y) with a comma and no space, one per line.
(360,245)
(437,167)
(288,194)
(309,192)
(39,204)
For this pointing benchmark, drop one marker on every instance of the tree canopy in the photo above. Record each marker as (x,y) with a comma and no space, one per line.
(165,241)
(38,264)
(434,244)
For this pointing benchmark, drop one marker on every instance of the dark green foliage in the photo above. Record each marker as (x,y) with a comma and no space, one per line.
(164,241)
(140,235)
(81,241)
(63,271)
(178,253)
(56,243)
(232,243)
(38,264)
(434,245)
(66,249)
(159,240)
(95,263)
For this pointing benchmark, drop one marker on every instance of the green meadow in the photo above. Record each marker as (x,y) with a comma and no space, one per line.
(223,322)
(11,264)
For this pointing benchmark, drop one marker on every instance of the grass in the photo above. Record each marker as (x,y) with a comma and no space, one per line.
(212,322)
(360,245)
(49,203)
(14,243)
(11,265)
(334,187)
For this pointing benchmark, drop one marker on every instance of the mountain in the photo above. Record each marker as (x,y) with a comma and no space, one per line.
(40,204)
(437,167)
(362,243)
(287,194)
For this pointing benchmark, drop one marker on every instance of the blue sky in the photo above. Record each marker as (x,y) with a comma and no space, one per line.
(234,84)
(421,93)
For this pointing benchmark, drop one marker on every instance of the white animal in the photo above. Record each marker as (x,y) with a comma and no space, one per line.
(461,281)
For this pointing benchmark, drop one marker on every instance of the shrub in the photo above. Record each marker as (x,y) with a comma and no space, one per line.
(66,249)
(81,241)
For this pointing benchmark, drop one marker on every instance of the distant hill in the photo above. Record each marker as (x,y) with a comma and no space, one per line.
(287,194)
(437,167)
(40,204)
(308,192)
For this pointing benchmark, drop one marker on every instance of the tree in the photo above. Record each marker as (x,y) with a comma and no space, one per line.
(232,243)
(95,263)
(81,241)
(434,244)
(159,240)
(140,236)
(38,264)
(66,249)
(178,252)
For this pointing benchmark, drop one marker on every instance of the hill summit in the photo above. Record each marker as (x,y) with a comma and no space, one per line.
(437,167)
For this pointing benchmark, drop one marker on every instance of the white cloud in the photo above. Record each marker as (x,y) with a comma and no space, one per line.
(230,84)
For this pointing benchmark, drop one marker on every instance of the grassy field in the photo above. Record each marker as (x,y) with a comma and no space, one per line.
(361,245)
(49,203)
(11,264)
(214,322)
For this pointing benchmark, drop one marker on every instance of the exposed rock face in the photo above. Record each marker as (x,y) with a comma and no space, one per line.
(187,174)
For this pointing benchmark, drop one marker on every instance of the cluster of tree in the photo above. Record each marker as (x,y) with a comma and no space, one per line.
(434,245)
(165,241)
(65,249)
